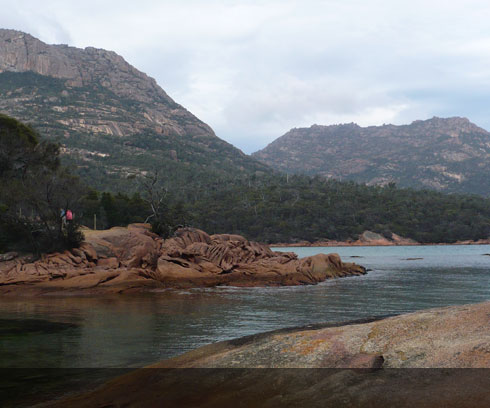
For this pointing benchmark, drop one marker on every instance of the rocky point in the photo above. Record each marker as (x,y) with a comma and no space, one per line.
(122,260)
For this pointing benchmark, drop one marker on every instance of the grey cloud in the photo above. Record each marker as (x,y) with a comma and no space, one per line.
(254,69)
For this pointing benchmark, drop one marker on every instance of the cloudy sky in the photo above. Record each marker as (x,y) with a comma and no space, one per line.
(254,69)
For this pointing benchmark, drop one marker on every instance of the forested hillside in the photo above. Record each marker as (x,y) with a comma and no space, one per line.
(280,209)
(269,208)
(272,209)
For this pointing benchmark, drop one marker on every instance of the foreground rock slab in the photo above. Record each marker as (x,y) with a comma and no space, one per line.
(433,358)
(134,259)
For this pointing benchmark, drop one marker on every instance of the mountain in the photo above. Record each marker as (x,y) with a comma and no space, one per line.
(446,154)
(112,120)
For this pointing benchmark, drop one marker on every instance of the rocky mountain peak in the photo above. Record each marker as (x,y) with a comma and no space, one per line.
(452,125)
(448,154)
(21,52)
(107,114)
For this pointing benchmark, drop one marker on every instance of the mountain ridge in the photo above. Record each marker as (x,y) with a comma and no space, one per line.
(446,154)
(107,114)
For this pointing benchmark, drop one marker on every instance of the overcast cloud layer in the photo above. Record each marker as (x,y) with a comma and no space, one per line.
(254,69)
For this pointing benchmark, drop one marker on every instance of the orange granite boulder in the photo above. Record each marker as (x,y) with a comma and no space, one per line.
(140,260)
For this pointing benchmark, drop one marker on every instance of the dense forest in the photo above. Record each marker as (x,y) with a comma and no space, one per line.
(269,208)
(277,208)
(274,209)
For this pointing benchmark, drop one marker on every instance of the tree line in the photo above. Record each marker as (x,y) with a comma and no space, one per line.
(276,208)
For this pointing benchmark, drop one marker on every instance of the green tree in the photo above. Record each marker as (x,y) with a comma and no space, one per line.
(33,189)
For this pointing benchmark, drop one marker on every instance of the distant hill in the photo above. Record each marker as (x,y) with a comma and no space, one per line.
(445,154)
(113,121)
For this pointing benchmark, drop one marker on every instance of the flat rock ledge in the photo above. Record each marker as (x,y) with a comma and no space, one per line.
(133,259)
(432,358)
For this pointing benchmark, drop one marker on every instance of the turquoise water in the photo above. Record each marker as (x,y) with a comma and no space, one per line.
(133,331)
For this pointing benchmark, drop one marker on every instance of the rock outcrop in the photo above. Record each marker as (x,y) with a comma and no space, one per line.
(134,259)
(451,337)
(378,363)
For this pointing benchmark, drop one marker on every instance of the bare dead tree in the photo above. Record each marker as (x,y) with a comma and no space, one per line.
(154,195)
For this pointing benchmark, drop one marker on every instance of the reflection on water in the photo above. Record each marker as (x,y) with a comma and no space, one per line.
(132,331)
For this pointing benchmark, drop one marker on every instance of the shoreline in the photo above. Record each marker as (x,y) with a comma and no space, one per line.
(125,260)
(369,238)
(333,244)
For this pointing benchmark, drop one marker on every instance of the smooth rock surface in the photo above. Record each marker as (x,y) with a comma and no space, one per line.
(432,358)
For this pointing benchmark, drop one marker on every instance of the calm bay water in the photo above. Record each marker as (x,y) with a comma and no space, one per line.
(133,331)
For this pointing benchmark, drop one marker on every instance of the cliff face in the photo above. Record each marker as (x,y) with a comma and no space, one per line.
(22,52)
(449,154)
(105,112)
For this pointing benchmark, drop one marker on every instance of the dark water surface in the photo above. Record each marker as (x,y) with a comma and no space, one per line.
(133,331)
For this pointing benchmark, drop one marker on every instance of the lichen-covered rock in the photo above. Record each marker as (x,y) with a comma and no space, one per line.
(450,337)
(377,363)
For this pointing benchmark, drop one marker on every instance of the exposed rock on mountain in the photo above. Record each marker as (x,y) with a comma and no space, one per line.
(113,120)
(449,154)
(133,259)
